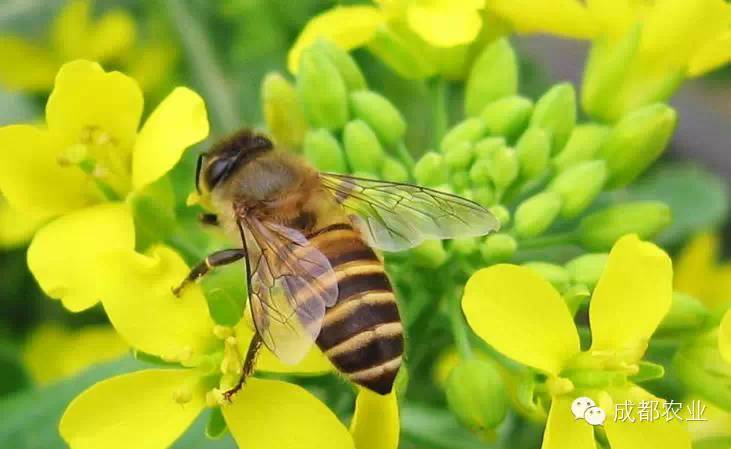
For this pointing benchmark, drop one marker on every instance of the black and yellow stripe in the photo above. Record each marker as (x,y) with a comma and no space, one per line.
(362,333)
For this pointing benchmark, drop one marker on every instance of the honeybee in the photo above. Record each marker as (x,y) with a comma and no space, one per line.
(308,239)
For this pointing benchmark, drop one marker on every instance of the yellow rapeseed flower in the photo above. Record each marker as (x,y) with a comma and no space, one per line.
(724,337)
(699,273)
(16,228)
(521,315)
(53,352)
(74,34)
(153,407)
(642,50)
(417,38)
(80,167)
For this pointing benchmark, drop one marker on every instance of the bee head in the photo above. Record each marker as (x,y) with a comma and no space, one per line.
(227,156)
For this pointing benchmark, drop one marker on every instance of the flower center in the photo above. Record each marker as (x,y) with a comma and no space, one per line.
(100,156)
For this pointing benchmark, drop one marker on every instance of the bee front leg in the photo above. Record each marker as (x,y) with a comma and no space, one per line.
(217,259)
(249,366)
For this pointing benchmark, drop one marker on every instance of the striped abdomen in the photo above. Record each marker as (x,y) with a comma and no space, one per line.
(361,334)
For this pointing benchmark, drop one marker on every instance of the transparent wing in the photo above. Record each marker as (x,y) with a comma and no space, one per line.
(396,216)
(291,283)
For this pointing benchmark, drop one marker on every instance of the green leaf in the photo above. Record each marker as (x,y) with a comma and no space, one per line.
(648,371)
(216,427)
(30,418)
(697,198)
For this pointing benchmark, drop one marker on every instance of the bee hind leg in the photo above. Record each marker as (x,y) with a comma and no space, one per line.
(249,366)
(217,259)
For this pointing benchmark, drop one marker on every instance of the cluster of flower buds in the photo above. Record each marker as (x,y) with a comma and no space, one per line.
(538,170)
(330,114)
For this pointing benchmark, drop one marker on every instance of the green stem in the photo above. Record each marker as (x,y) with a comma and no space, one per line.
(459,329)
(438,88)
(405,156)
(205,67)
(564,238)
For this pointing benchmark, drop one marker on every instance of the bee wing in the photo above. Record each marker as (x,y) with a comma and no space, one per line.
(291,283)
(396,216)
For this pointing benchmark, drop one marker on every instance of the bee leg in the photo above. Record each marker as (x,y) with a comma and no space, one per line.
(249,365)
(208,219)
(217,259)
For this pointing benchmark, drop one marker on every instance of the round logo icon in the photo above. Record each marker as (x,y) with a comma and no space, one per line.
(580,405)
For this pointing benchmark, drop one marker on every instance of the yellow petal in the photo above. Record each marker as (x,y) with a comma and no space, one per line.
(695,264)
(112,36)
(63,254)
(31,178)
(632,297)
(86,97)
(26,66)
(656,433)
(724,337)
(444,26)
(718,294)
(313,363)
(53,353)
(613,17)
(136,292)
(69,30)
(561,17)
(672,32)
(520,314)
(563,431)
(270,414)
(16,227)
(711,56)
(152,64)
(177,123)
(376,421)
(136,410)
(347,26)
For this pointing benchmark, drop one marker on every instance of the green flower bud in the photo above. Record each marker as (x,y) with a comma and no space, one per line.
(600,230)
(557,275)
(362,147)
(498,247)
(579,186)
(508,116)
(393,170)
(322,91)
(703,371)
(533,150)
(583,145)
(485,148)
(323,150)
(503,168)
(501,213)
(465,246)
(637,141)
(686,315)
(283,111)
(536,214)
(430,170)
(476,394)
(469,130)
(401,54)
(484,195)
(606,71)
(460,181)
(587,269)
(380,114)
(480,172)
(429,254)
(459,156)
(348,69)
(494,75)
(555,112)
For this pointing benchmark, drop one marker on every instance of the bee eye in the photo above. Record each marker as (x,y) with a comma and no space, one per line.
(217,171)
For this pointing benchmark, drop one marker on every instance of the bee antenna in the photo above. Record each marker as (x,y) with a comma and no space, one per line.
(198,167)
